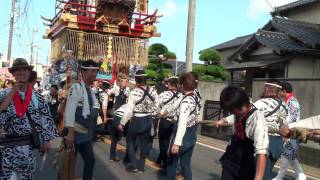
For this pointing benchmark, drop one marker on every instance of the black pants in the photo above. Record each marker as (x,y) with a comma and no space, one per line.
(165,133)
(86,151)
(115,136)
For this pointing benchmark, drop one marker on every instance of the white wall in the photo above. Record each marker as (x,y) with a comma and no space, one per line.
(309,14)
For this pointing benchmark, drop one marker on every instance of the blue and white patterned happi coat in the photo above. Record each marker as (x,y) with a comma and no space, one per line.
(21,159)
(291,147)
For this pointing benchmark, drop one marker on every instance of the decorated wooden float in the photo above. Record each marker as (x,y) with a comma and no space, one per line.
(113,32)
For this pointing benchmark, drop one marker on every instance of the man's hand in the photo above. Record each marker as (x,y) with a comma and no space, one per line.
(64,94)
(175,149)
(46,147)
(105,119)
(121,127)
(70,137)
(2,133)
(285,131)
(218,123)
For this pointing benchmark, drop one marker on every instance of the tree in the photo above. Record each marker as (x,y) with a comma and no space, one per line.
(158,49)
(157,69)
(211,56)
(212,70)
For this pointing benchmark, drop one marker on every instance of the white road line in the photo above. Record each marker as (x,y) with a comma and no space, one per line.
(276,166)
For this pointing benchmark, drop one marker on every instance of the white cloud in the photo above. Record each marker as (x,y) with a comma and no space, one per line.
(169,8)
(259,8)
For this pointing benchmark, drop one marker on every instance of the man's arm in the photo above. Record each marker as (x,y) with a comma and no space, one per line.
(224,122)
(259,133)
(128,111)
(261,166)
(73,99)
(105,107)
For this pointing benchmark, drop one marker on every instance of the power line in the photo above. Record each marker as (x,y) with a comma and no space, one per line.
(270,5)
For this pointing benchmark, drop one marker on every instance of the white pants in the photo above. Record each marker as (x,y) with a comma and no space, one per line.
(15,176)
(285,163)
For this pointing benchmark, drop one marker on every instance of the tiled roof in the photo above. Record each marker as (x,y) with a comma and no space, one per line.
(297,4)
(307,33)
(253,64)
(236,42)
(284,35)
(281,42)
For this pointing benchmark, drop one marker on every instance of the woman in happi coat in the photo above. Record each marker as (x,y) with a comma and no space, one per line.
(184,135)
(23,111)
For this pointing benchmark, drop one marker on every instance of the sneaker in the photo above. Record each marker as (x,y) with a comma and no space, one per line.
(115,159)
(301,176)
(141,171)
(132,169)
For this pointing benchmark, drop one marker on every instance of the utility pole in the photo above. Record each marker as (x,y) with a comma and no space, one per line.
(32,60)
(48,59)
(13,7)
(37,57)
(190,35)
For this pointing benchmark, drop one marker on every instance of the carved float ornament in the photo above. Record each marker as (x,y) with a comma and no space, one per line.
(116,10)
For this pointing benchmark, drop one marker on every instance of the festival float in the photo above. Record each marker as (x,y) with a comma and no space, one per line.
(114,32)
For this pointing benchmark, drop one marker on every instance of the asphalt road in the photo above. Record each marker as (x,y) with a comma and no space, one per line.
(205,165)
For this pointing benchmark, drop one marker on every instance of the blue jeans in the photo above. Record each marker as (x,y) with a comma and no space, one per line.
(185,154)
(86,151)
(139,129)
(275,151)
(185,162)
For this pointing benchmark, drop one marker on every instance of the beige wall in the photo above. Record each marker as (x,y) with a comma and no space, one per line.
(308,14)
(210,91)
(304,67)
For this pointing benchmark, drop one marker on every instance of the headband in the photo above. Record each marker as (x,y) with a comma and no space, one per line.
(274,85)
(140,75)
(90,68)
(173,77)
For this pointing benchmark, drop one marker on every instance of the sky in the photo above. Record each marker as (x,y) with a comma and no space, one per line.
(217,21)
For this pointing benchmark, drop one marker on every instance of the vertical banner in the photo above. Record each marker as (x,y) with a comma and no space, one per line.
(142,6)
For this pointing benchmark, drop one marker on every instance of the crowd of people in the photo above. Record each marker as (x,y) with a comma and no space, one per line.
(31,119)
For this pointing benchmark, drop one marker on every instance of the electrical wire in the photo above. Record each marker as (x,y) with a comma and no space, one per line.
(270,5)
